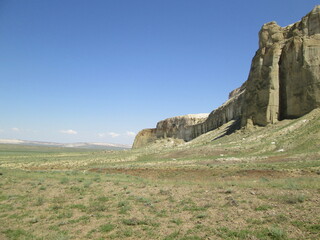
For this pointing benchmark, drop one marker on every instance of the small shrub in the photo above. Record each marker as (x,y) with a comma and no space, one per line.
(293,199)
(65,214)
(106,228)
(291,185)
(64,180)
(39,201)
(164,192)
(79,190)
(17,234)
(135,221)
(162,213)
(263,208)
(124,207)
(79,206)
(191,238)
(87,184)
(145,201)
(6,207)
(80,179)
(276,233)
(97,179)
(202,215)
(122,204)
(127,233)
(314,228)
(281,218)
(84,219)
(172,236)
(227,233)
(55,207)
(102,199)
(177,221)
(97,207)
(131,222)
(272,233)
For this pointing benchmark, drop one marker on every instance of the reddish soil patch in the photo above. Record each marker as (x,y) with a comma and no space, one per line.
(192,174)
(252,173)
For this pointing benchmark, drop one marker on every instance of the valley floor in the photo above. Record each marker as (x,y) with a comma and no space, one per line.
(262,183)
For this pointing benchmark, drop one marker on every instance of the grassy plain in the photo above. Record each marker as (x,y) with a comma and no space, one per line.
(262,183)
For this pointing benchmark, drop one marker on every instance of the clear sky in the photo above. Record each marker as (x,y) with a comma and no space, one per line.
(101,70)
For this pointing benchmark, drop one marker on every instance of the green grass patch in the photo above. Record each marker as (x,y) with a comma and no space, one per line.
(16,234)
(263,208)
(105,228)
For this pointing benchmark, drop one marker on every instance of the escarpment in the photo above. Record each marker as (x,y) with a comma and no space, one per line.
(175,127)
(230,110)
(283,82)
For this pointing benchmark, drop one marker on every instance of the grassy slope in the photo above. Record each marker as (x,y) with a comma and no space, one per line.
(261,183)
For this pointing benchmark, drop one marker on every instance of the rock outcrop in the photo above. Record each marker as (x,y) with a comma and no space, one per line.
(175,127)
(144,137)
(179,127)
(230,110)
(284,82)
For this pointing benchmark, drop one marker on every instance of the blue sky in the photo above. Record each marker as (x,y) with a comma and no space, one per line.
(101,70)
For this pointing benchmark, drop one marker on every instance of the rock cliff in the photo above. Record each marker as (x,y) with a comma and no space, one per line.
(284,82)
(175,127)
(144,137)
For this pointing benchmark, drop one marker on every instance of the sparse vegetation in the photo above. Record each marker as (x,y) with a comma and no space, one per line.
(229,188)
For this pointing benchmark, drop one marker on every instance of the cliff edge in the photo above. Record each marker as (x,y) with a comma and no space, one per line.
(283,83)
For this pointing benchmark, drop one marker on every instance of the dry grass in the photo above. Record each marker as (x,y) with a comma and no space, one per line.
(237,187)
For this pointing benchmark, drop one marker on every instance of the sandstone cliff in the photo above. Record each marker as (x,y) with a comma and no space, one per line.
(175,127)
(144,137)
(284,82)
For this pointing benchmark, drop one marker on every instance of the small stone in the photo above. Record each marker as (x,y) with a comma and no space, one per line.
(34,220)
(232,201)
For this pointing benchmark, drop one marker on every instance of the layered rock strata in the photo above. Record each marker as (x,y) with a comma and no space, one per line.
(175,127)
(284,82)
(230,110)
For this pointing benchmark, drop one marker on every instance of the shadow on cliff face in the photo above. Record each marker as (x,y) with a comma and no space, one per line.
(236,125)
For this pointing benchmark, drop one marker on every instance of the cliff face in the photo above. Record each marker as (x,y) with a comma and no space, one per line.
(230,110)
(179,127)
(175,127)
(284,82)
(144,137)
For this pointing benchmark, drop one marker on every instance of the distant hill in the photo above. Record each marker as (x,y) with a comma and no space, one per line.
(83,145)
